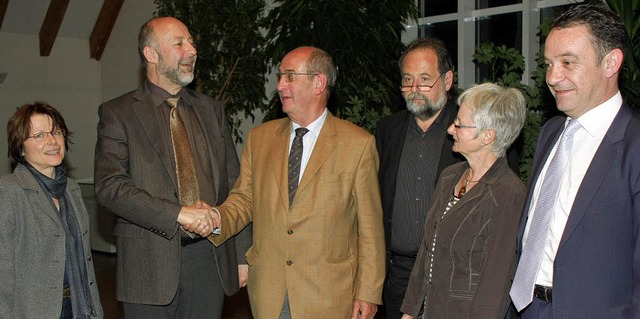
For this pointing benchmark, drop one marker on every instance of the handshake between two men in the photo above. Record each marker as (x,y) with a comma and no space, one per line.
(200,219)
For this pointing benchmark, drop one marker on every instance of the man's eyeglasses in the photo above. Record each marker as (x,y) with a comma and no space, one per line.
(289,76)
(421,87)
(459,126)
(42,136)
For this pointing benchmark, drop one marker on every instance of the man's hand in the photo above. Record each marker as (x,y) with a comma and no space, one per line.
(243,275)
(197,219)
(363,310)
(406,316)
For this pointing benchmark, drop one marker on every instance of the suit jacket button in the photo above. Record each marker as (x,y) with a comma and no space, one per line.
(289,262)
(290,231)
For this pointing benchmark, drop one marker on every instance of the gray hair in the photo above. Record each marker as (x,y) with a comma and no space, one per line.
(321,62)
(146,37)
(499,108)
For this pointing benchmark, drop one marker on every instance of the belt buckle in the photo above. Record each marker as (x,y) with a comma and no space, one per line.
(66,292)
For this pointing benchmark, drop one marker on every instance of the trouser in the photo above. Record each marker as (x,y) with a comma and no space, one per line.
(286,311)
(398,273)
(67,309)
(199,295)
(538,309)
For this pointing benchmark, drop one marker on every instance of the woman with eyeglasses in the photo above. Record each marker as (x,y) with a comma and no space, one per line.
(468,252)
(46,266)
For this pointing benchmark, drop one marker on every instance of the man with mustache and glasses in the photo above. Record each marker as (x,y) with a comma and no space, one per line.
(164,156)
(414,148)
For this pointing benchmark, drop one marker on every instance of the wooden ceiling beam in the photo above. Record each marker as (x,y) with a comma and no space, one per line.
(51,25)
(102,29)
(3,9)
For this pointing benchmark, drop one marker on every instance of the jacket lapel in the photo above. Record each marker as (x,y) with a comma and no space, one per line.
(150,123)
(325,145)
(279,153)
(36,194)
(202,113)
(538,163)
(608,152)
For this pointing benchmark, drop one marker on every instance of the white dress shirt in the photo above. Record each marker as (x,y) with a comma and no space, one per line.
(595,124)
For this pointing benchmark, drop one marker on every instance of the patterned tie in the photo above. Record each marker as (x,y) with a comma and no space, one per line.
(295,159)
(529,265)
(188,191)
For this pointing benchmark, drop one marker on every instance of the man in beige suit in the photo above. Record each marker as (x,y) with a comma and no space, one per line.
(322,255)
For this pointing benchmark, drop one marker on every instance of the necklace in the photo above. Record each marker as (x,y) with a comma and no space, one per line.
(463,189)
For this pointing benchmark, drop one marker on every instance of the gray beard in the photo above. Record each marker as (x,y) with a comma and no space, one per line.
(429,109)
(174,75)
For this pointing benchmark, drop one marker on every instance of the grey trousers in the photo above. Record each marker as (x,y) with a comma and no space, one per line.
(199,295)
(286,311)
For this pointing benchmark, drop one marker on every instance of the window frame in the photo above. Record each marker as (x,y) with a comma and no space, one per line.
(466,17)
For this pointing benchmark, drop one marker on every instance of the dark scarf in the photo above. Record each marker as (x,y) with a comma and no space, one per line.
(75,271)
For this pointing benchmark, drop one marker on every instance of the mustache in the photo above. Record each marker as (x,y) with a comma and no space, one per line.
(416,96)
(190,60)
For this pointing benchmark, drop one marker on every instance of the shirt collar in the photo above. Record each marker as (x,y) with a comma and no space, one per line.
(315,126)
(597,121)
(159,95)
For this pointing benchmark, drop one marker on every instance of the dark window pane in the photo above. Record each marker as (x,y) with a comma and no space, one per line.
(430,8)
(549,14)
(445,31)
(483,4)
(502,29)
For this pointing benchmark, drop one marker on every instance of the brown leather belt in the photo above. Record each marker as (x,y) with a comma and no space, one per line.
(543,293)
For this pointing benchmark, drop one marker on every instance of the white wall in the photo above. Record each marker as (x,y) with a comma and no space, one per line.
(74,83)
(67,79)
(71,81)
(121,70)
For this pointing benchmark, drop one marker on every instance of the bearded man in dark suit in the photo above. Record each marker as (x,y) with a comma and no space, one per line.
(164,271)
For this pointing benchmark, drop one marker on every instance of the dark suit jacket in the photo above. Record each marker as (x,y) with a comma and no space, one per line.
(597,266)
(390,136)
(32,248)
(135,179)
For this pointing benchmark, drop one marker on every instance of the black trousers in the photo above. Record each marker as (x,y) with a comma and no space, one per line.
(67,310)
(398,273)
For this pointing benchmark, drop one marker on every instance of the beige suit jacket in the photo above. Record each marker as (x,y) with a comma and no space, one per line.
(328,248)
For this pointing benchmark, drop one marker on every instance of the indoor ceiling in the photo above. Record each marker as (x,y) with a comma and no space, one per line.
(84,19)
